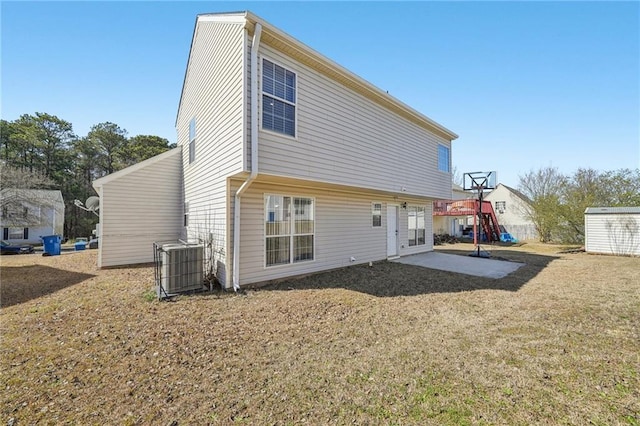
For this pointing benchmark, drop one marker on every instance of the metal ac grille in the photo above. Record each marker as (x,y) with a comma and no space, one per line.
(180,268)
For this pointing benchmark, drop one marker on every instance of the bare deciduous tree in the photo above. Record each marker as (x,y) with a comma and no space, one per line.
(19,191)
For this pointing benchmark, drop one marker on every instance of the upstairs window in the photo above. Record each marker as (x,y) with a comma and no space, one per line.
(443,158)
(192,140)
(186,214)
(278,99)
(501,206)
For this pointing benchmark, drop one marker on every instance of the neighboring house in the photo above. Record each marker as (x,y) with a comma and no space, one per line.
(28,214)
(454,225)
(510,206)
(612,230)
(290,164)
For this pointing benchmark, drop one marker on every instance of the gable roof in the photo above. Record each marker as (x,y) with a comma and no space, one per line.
(516,192)
(51,195)
(280,40)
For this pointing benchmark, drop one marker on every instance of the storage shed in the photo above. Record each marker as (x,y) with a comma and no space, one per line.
(612,230)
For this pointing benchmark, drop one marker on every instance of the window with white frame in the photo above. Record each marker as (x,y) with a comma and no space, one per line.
(278,98)
(289,229)
(16,233)
(443,158)
(376,215)
(501,206)
(416,225)
(186,213)
(192,140)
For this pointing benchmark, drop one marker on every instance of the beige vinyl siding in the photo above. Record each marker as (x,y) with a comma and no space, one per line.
(215,94)
(138,207)
(343,230)
(617,234)
(345,138)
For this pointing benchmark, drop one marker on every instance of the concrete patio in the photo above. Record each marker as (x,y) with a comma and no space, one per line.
(477,266)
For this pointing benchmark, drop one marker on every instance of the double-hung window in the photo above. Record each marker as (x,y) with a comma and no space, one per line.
(416,226)
(443,158)
(278,98)
(192,140)
(289,229)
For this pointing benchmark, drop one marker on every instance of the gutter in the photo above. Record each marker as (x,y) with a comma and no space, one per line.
(255,44)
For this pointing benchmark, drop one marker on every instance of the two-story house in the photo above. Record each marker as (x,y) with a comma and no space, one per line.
(511,207)
(287,162)
(28,214)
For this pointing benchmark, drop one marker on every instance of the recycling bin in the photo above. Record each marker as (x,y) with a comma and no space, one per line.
(51,245)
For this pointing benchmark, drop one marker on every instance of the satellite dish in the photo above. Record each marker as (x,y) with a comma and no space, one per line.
(93,203)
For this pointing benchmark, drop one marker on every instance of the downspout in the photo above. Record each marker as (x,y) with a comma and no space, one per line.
(255,44)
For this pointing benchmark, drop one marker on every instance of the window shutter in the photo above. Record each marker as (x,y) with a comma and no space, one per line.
(26,233)
(5,234)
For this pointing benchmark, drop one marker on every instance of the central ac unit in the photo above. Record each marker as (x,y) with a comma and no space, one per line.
(182,268)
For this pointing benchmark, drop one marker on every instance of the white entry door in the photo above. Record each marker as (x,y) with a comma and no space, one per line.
(392,230)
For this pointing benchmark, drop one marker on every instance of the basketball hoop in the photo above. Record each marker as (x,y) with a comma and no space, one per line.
(478,182)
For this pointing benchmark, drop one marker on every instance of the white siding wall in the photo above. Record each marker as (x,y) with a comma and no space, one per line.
(343,228)
(140,207)
(214,93)
(513,219)
(46,216)
(345,138)
(617,234)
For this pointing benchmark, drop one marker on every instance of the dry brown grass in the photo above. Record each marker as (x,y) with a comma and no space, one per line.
(557,342)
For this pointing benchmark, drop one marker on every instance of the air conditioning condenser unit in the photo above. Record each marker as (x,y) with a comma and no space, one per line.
(182,268)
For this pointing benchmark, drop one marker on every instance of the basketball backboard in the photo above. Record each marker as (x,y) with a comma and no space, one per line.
(474,181)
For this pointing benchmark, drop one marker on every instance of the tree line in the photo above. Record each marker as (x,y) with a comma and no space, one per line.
(41,151)
(558,201)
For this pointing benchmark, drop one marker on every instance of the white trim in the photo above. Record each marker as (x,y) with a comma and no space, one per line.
(230,18)
(396,207)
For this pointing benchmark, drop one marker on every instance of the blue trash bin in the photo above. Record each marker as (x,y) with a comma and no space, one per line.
(51,245)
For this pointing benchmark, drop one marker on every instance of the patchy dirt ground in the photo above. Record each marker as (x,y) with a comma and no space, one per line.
(557,342)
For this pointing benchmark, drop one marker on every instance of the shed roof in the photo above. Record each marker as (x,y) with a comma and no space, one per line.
(612,210)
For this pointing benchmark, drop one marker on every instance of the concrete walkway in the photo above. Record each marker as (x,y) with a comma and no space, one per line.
(480,267)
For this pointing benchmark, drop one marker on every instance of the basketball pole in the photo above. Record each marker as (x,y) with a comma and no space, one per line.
(479,181)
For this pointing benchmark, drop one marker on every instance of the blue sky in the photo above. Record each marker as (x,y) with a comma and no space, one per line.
(525,84)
